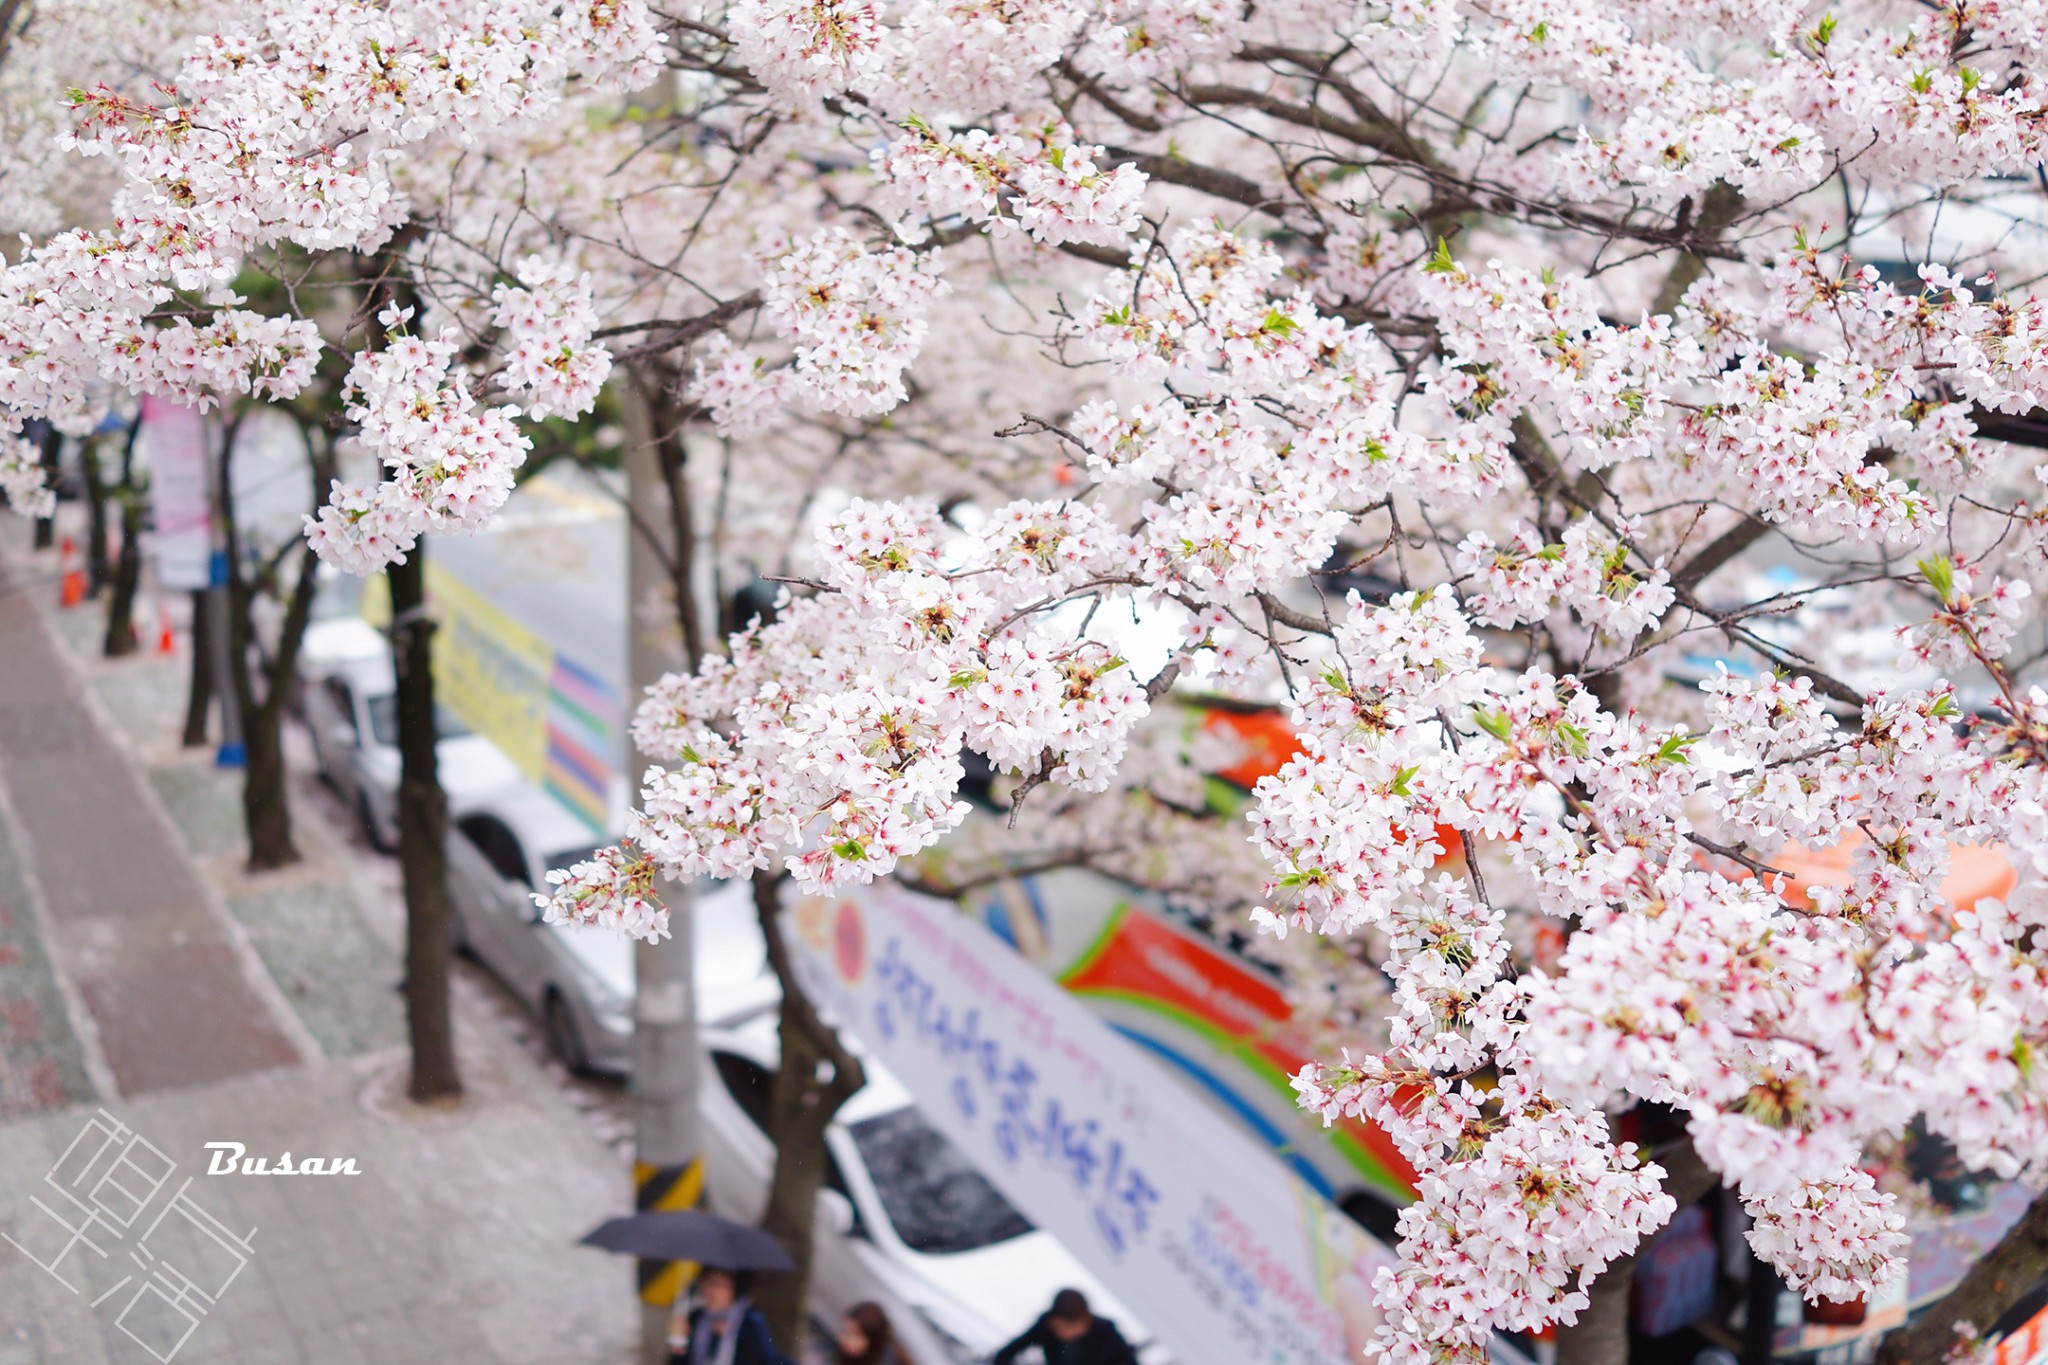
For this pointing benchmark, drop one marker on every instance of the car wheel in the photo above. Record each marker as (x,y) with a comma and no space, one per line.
(371,833)
(563,1039)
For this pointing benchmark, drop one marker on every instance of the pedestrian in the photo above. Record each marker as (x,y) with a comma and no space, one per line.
(865,1338)
(718,1325)
(1070,1334)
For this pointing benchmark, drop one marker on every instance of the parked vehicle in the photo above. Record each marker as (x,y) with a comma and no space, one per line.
(903,1220)
(349,698)
(578,981)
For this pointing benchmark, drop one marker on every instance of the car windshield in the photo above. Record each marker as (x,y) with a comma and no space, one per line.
(384,721)
(936,1201)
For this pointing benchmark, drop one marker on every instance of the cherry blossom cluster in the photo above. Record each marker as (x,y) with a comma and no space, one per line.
(549,354)
(742,392)
(1587,572)
(613,889)
(1970,625)
(282,126)
(451,463)
(837,731)
(1054,187)
(857,317)
(21,477)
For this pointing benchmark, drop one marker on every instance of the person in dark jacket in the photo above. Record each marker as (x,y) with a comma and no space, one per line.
(1070,1334)
(722,1327)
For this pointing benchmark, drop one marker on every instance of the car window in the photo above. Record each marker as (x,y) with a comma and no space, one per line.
(498,846)
(751,1085)
(384,720)
(344,705)
(935,1199)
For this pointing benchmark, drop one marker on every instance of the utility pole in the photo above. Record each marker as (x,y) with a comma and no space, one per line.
(668,1162)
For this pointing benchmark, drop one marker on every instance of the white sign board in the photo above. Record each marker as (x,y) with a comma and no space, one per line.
(1222,1251)
(174,442)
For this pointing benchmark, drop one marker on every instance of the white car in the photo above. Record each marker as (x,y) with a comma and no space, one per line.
(348,695)
(903,1220)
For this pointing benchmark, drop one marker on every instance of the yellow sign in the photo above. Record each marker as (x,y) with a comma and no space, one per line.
(489,670)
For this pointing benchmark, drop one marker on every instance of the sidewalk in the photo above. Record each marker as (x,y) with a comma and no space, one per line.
(144,974)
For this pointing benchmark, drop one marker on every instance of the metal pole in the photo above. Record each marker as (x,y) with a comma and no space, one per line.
(668,1167)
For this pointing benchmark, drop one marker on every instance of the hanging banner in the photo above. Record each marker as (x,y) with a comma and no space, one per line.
(555,719)
(1221,1250)
(173,442)
(1225,1028)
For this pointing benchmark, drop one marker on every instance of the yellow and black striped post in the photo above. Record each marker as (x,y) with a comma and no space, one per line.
(665,1189)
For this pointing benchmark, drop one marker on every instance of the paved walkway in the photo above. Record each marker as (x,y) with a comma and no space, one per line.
(173,998)
(151,990)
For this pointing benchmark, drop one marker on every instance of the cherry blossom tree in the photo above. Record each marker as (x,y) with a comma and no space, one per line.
(1446,372)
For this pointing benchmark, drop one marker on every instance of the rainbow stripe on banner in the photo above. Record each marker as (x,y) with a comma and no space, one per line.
(583,721)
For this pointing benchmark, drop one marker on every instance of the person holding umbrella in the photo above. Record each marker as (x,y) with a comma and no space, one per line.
(717,1325)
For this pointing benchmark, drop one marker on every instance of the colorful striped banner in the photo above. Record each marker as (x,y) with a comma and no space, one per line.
(583,727)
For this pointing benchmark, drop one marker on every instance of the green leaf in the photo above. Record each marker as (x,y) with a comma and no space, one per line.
(1495,723)
(1940,573)
(1440,262)
(1824,30)
(1673,749)
(1399,786)
(1279,323)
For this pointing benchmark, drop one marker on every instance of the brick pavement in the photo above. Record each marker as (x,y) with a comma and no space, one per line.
(173,999)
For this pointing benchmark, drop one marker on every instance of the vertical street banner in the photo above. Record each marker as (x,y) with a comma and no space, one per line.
(1219,1248)
(173,441)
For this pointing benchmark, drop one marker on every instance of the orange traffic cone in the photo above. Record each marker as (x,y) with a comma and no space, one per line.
(166,633)
(71,589)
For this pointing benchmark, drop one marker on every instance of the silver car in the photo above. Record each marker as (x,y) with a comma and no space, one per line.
(349,699)
(577,981)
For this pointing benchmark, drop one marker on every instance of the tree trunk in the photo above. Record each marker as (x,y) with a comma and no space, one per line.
(121,639)
(1994,1284)
(1600,1336)
(422,838)
(199,692)
(53,448)
(96,573)
(816,1077)
(264,806)
(265,810)
(1760,1324)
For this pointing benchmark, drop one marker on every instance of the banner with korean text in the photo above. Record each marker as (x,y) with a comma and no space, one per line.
(1220,1249)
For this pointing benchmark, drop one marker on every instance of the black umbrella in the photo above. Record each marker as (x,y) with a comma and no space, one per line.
(691,1235)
